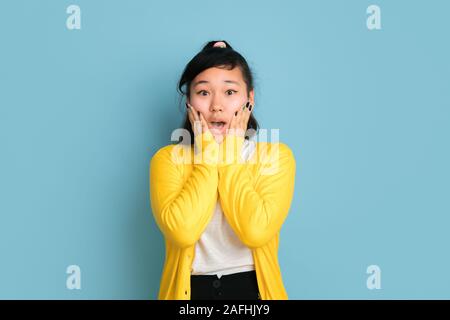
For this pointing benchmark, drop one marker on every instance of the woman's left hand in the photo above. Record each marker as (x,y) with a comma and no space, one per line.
(238,125)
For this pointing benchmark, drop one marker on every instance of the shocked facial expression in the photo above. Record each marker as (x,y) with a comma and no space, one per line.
(218,93)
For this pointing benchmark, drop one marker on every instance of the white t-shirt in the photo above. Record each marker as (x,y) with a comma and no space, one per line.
(219,250)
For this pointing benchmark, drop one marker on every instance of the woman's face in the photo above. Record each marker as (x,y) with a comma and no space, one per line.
(218,93)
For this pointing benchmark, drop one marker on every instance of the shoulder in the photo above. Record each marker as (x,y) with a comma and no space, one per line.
(172,154)
(275,158)
(164,151)
(275,149)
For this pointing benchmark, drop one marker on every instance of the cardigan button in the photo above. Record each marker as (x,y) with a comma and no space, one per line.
(216,283)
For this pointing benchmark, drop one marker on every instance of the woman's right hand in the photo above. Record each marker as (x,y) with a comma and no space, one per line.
(198,122)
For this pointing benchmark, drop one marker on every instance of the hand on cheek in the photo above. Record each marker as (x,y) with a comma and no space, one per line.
(198,121)
(238,125)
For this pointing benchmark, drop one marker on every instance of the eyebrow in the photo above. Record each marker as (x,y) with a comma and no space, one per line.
(204,81)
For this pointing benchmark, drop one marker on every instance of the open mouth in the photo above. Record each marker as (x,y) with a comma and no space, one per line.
(218,125)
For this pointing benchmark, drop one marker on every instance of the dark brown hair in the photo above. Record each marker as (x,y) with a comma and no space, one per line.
(219,57)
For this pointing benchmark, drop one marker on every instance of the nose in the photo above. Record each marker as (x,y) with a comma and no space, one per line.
(216,105)
(216,108)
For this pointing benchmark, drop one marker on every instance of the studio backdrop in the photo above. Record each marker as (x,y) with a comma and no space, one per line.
(359,90)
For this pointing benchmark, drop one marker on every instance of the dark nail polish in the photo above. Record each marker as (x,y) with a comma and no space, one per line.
(235,113)
(250,108)
(247,104)
(187,107)
(198,112)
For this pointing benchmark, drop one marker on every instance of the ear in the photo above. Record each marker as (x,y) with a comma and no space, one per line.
(251,97)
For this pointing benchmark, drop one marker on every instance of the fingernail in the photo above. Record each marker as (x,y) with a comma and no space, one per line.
(235,113)
(250,108)
(187,107)
(198,112)
(247,104)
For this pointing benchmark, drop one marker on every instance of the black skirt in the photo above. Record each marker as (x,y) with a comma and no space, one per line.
(236,286)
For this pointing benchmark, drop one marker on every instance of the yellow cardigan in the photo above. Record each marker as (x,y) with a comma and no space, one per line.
(255,197)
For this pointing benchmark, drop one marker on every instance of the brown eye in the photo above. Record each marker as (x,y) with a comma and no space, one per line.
(201,92)
(231,91)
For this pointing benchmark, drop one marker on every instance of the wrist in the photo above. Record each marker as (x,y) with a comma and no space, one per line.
(206,149)
(231,150)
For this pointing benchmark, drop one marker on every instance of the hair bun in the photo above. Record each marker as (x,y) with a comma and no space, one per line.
(217,44)
(220,44)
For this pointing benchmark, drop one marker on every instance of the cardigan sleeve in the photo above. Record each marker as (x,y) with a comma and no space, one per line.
(256,205)
(182,207)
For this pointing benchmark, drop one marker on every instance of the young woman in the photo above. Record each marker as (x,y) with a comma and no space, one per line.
(221,216)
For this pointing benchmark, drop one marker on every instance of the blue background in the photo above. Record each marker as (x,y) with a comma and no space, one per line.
(366,114)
